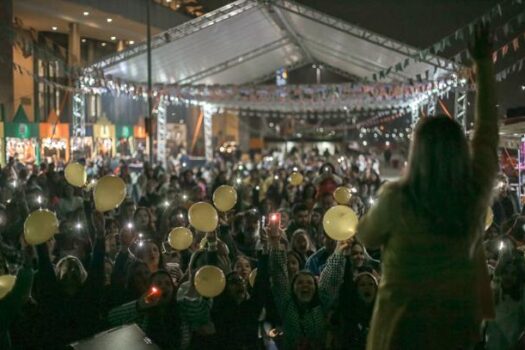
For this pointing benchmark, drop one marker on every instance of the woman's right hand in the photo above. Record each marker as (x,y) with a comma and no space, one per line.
(481,45)
(274,234)
(149,300)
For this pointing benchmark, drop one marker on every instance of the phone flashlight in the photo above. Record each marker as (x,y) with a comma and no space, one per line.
(501,245)
(166,204)
(129,225)
(184,196)
(39,199)
(78,226)
(238,180)
(275,219)
(152,293)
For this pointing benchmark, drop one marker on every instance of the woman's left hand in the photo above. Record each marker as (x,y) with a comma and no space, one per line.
(343,246)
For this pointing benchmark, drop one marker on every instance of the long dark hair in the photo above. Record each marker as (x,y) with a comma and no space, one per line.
(315,300)
(439,175)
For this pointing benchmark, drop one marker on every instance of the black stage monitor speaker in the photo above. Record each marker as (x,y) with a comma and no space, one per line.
(128,337)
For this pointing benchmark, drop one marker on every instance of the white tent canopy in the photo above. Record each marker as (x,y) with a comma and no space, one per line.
(248,40)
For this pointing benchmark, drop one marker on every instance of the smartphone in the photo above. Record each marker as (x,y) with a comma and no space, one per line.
(153,294)
(275,220)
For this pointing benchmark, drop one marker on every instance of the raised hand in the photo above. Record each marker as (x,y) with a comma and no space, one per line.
(481,44)
(99,223)
(343,246)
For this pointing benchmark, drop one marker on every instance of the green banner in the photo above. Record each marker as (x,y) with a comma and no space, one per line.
(21,130)
(124,131)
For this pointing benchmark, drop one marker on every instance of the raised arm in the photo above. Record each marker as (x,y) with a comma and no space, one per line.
(332,275)
(485,140)
(374,226)
(96,269)
(11,305)
(279,271)
(262,281)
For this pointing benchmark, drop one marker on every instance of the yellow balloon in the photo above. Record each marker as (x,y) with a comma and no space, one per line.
(109,193)
(296,178)
(489,218)
(203,217)
(40,226)
(225,198)
(340,222)
(180,238)
(252,276)
(75,174)
(7,282)
(209,281)
(342,195)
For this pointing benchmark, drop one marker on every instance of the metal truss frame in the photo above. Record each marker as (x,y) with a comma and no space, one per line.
(208,111)
(347,58)
(361,33)
(162,132)
(414,114)
(341,72)
(183,30)
(431,105)
(301,106)
(79,115)
(280,20)
(234,61)
(79,120)
(460,105)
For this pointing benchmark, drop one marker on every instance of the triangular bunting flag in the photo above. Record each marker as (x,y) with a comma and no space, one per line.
(516,44)
(505,50)
(458,35)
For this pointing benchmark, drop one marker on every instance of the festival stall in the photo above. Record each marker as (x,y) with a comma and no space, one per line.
(176,138)
(141,140)
(55,142)
(512,152)
(21,139)
(82,147)
(104,137)
(125,141)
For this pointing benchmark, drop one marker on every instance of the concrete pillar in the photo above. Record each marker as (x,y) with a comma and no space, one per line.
(90,52)
(73,56)
(6,73)
(120,46)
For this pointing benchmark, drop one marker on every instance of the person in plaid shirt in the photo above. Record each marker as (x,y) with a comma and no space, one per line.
(304,304)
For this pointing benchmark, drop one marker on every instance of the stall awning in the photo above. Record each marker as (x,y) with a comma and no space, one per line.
(248,40)
(139,132)
(20,127)
(55,131)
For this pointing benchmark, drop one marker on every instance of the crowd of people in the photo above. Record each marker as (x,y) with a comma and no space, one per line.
(309,291)
(96,272)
